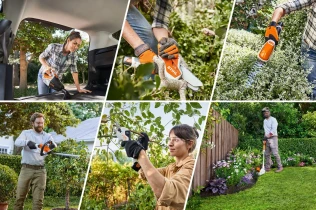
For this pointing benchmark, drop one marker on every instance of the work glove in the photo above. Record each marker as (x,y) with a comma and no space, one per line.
(144,53)
(272,33)
(31,145)
(52,145)
(143,140)
(132,148)
(168,48)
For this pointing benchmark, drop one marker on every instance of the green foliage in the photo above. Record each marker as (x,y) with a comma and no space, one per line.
(30,91)
(66,175)
(115,183)
(33,69)
(306,146)
(295,120)
(9,180)
(15,117)
(281,78)
(201,52)
(84,111)
(13,161)
(108,183)
(255,23)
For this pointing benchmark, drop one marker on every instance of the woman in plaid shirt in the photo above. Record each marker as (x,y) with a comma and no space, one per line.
(60,57)
(308,48)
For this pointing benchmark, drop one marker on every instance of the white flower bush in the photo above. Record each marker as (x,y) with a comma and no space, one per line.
(282,78)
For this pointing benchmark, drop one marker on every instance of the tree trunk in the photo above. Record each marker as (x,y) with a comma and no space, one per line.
(16,69)
(67,199)
(23,69)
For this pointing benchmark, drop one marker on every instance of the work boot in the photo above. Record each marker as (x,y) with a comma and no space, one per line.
(279,170)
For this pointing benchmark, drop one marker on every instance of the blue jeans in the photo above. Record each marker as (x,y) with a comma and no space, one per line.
(42,87)
(309,63)
(141,26)
(143,29)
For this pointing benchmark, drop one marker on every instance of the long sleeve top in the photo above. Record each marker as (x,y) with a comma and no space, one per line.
(309,35)
(177,181)
(32,156)
(270,126)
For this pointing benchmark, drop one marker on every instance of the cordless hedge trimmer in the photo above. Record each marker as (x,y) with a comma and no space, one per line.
(48,148)
(264,55)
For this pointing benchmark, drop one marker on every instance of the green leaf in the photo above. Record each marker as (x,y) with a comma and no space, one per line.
(196,105)
(144,70)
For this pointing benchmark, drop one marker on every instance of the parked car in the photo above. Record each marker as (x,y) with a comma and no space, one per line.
(100,19)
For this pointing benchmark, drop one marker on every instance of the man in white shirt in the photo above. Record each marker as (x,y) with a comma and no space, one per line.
(270,126)
(33,172)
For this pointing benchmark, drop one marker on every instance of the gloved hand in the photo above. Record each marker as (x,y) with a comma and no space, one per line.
(144,53)
(52,145)
(144,139)
(132,148)
(272,33)
(31,145)
(168,48)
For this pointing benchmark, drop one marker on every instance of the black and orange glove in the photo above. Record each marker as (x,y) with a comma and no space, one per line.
(272,33)
(168,48)
(144,53)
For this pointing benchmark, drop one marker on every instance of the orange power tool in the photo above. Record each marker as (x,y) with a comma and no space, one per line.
(263,56)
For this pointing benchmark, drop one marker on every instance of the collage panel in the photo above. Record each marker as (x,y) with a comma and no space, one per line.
(45,150)
(183,39)
(256,155)
(163,138)
(269,53)
(58,50)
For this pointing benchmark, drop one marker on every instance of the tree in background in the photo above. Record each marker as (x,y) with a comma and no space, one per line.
(33,38)
(112,183)
(66,175)
(84,111)
(295,120)
(15,117)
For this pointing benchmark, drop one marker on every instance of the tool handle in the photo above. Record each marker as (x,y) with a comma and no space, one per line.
(279,27)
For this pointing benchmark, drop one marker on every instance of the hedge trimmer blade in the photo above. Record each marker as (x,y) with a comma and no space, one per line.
(66,155)
(254,71)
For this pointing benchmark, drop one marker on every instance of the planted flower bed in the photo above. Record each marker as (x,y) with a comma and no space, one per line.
(240,170)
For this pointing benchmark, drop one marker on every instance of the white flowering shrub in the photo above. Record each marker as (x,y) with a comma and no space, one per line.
(282,78)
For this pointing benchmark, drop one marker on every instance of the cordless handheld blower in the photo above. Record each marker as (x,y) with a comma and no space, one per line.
(48,148)
(123,134)
(53,81)
(263,56)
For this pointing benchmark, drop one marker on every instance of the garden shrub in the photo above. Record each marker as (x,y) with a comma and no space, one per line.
(306,146)
(282,78)
(9,180)
(13,161)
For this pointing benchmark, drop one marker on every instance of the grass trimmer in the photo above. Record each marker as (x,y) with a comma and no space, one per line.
(263,57)
(48,148)
(263,170)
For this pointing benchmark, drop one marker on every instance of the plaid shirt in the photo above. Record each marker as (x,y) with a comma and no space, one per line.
(309,35)
(161,14)
(54,57)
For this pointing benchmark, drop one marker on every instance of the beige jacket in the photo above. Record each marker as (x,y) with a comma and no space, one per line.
(177,181)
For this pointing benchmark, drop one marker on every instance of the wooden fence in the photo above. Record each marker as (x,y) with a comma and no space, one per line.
(225,137)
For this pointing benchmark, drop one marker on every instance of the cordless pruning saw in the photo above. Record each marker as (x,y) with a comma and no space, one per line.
(53,81)
(175,69)
(263,56)
(124,134)
(48,148)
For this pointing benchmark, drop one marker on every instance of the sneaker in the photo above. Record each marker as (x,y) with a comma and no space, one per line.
(279,170)
(268,169)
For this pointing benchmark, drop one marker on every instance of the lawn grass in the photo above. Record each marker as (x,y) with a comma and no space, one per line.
(49,203)
(294,188)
